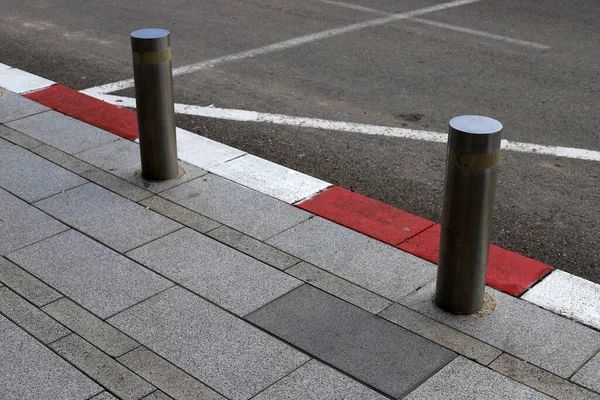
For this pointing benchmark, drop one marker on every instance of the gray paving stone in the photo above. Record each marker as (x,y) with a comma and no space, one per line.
(464,379)
(30,371)
(31,177)
(441,334)
(365,346)
(18,138)
(225,276)
(316,381)
(104,396)
(26,285)
(540,337)
(116,184)
(215,347)
(180,214)
(91,328)
(359,259)
(14,106)
(103,369)
(30,318)
(122,158)
(113,220)
(63,132)
(4,143)
(541,380)
(94,276)
(61,158)
(589,375)
(157,396)
(339,287)
(167,377)
(253,247)
(23,224)
(243,209)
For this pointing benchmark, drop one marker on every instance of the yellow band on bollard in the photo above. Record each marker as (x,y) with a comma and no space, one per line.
(472,161)
(153,57)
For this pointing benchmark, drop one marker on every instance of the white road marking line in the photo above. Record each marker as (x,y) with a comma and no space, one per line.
(443,25)
(568,295)
(253,116)
(19,81)
(287,44)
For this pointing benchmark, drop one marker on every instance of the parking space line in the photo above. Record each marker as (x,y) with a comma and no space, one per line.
(352,127)
(443,25)
(287,44)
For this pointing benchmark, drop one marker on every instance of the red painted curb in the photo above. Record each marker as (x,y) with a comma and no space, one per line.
(365,215)
(117,120)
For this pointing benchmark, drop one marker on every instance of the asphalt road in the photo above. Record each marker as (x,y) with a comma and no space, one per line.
(403,73)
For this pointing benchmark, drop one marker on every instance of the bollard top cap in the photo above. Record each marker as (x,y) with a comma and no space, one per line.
(475,134)
(149,40)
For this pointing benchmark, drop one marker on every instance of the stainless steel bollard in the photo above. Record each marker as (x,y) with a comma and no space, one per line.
(471,174)
(154,99)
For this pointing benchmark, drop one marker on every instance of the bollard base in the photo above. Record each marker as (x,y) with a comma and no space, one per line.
(488,307)
(141,177)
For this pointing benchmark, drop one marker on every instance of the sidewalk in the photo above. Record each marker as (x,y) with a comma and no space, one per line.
(203,288)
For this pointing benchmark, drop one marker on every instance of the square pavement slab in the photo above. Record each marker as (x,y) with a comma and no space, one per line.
(246,210)
(22,224)
(226,353)
(219,273)
(589,375)
(464,379)
(31,177)
(30,371)
(122,158)
(111,219)
(359,259)
(63,132)
(517,327)
(14,106)
(94,276)
(363,345)
(316,381)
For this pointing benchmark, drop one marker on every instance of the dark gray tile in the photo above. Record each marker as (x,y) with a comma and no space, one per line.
(180,214)
(18,138)
(113,220)
(116,184)
(61,158)
(25,284)
(359,343)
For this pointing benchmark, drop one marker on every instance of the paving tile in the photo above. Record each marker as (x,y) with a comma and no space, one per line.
(253,247)
(568,295)
(157,396)
(589,375)
(14,106)
(359,259)
(30,318)
(31,177)
(180,214)
(167,377)
(203,152)
(122,158)
(94,276)
(105,370)
(23,224)
(91,328)
(30,371)
(20,81)
(18,138)
(113,220)
(539,379)
(441,334)
(61,158)
(243,209)
(26,285)
(219,273)
(540,337)
(363,345)
(316,381)
(215,347)
(339,287)
(63,132)
(104,396)
(464,379)
(269,178)
(116,184)
(4,143)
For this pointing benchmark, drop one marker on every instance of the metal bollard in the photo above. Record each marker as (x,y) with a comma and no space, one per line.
(154,99)
(471,174)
